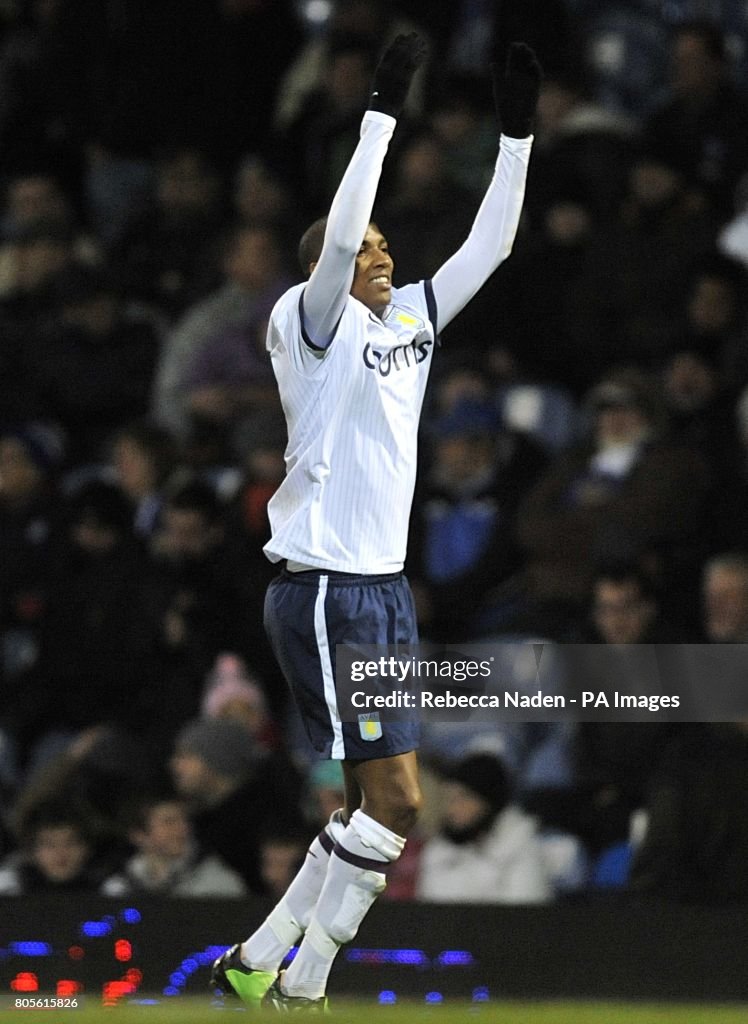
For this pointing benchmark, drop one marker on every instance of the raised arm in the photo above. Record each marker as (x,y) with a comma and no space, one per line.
(492,235)
(326,294)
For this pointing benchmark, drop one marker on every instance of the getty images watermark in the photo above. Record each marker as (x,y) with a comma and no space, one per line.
(541,681)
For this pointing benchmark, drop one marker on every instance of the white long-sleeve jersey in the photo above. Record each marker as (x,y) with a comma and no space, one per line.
(352,383)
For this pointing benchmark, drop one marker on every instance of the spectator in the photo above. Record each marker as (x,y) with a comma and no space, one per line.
(553,321)
(625,609)
(325,791)
(189,606)
(33,197)
(701,414)
(715,323)
(725,598)
(580,144)
(92,368)
(259,442)
(95,770)
(371,23)
(167,258)
(97,645)
(254,278)
(168,861)
(144,458)
(642,265)
(30,533)
(134,82)
(487,850)
(463,519)
(625,47)
(36,253)
(623,493)
(697,832)
(696,842)
(230,380)
(231,693)
(262,195)
(320,140)
(233,792)
(462,380)
(427,215)
(702,125)
(281,856)
(463,123)
(612,761)
(56,855)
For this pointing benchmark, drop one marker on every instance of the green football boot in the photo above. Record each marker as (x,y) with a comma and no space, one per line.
(229,975)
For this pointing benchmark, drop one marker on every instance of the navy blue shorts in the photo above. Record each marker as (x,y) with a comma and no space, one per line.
(306,615)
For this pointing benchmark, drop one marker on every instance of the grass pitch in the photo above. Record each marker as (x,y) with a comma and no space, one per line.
(200,1011)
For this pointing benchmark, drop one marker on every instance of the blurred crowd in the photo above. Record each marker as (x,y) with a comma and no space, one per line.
(584,458)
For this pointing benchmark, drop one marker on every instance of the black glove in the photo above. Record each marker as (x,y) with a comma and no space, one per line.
(516,91)
(394,73)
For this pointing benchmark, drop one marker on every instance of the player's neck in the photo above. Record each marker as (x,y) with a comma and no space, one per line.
(378,311)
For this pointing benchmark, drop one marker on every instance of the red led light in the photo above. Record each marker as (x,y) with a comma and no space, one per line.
(66,987)
(112,991)
(122,950)
(134,976)
(76,952)
(25,981)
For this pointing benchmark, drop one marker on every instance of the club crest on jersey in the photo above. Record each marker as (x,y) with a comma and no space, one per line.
(369,726)
(397,315)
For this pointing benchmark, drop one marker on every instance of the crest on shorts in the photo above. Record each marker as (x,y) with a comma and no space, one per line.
(369,726)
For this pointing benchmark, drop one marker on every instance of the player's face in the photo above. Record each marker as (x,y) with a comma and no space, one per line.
(372,280)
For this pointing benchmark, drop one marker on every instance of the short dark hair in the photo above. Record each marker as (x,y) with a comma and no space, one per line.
(55,813)
(311,243)
(621,573)
(136,812)
(153,439)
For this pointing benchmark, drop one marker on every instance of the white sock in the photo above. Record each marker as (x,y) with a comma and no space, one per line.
(266,948)
(355,877)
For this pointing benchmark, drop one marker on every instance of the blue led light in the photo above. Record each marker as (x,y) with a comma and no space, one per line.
(131,915)
(387,996)
(213,952)
(96,929)
(31,948)
(291,953)
(480,994)
(408,957)
(192,963)
(434,997)
(455,958)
